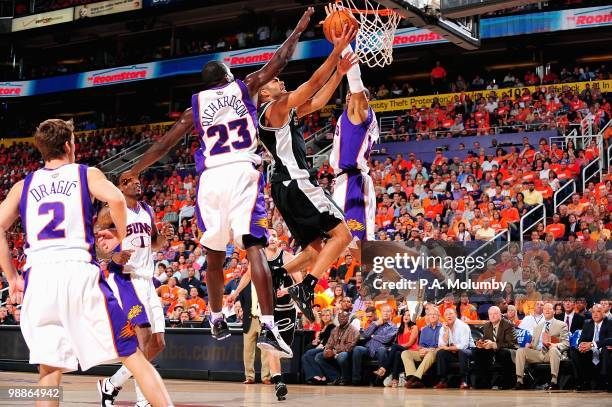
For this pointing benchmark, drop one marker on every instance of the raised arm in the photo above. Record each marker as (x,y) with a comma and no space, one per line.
(103,190)
(163,145)
(280,108)
(9,211)
(281,57)
(321,98)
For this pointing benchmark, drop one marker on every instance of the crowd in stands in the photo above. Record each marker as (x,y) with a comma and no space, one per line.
(361,330)
(492,111)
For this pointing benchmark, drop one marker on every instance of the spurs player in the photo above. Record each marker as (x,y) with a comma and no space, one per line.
(310,214)
(70,317)
(356,132)
(131,279)
(285,312)
(230,200)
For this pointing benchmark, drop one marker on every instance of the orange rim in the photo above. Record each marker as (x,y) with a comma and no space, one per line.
(381,12)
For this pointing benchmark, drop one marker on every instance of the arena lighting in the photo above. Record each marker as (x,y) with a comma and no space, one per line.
(595,58)
(511,66)
(70,61)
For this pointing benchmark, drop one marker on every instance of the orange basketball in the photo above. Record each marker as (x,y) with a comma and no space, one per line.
(336,21)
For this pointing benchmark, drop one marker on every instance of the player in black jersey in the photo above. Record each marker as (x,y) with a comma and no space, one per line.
(306,208)
(285,313)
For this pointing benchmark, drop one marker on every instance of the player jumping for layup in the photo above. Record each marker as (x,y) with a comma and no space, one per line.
(307,210)
(131,279)
(70,316)
(356,131)
(230,191)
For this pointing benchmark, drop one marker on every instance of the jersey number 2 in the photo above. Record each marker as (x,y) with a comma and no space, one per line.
(51,230)
(222,132)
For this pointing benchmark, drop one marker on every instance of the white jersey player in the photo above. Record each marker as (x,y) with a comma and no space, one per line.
(356,132)
(230,200)
(131,279)
(70,317)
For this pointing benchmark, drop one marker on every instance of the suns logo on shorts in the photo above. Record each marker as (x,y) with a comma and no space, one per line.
(127,330)
(134,312)
(355,225)
(263,222)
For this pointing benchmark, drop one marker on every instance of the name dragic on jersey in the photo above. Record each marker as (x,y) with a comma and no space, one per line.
(138,239)
(225,118)
(353,143)
(57,215)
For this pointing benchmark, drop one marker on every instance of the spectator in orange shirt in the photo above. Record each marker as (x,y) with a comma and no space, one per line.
(168,292)
(556,227)
(467,311)
(448,303)
(195,301)
(438,78)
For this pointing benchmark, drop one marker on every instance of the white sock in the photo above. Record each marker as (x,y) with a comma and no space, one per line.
(139,395)
(121,377)
(267,320)
(215,316)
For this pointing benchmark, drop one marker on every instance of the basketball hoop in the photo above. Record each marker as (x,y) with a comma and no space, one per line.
(377,26)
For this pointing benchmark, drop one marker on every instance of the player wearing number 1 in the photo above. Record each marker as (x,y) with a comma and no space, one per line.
(131,279)
(230,196)
(70,317)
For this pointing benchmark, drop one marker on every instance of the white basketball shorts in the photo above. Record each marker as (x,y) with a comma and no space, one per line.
(70,317)
(230,203)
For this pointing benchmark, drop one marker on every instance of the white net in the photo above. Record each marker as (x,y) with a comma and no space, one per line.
(374,41)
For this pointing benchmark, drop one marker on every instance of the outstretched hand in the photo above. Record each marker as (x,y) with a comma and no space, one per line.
(16,288)
(305,20)
(345,38)
(107,240)
(348,60)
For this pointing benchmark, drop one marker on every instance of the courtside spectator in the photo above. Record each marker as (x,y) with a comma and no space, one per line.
(426,352)
(455,344)
(335,360)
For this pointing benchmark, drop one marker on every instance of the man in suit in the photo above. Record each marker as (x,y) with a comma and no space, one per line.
(572,319)
(251,327)
(497,344)
(550,341)
(591,359)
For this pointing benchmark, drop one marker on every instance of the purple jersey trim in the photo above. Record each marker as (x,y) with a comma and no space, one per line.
(352,137)
(147,208)
(248,102)
(123,337)
(88,210)
(199,158)
(23,205)
(198,214)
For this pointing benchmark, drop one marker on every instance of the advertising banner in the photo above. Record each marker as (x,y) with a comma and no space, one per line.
(14,89)
(113,76)
(405,37)
(104,8)
(388,105)
(42,19)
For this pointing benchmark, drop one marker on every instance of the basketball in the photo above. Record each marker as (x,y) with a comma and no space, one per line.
(336,21)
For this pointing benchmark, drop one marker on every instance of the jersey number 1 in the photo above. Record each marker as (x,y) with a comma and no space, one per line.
(51,230)
(222,132)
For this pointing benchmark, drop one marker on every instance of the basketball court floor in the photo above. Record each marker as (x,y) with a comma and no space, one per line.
(81,391)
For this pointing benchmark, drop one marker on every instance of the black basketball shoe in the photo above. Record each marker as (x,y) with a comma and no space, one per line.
(220,329)
(269,339)
(281,391)
(303,298)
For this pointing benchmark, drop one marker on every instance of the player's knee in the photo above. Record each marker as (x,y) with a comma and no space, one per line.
(158,343)
(343,234)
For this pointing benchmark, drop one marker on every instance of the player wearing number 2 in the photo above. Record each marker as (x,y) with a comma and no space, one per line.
(70,317)
(230,200)
(131,279)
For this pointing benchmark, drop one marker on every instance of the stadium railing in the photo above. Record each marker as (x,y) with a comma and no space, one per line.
(121,153)
(320,157)
(313,139)
(531,219)
(590,172)
(490,248)
(563,194)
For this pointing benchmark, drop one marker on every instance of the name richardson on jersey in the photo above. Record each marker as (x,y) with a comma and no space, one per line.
(208,113)
(60,187)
